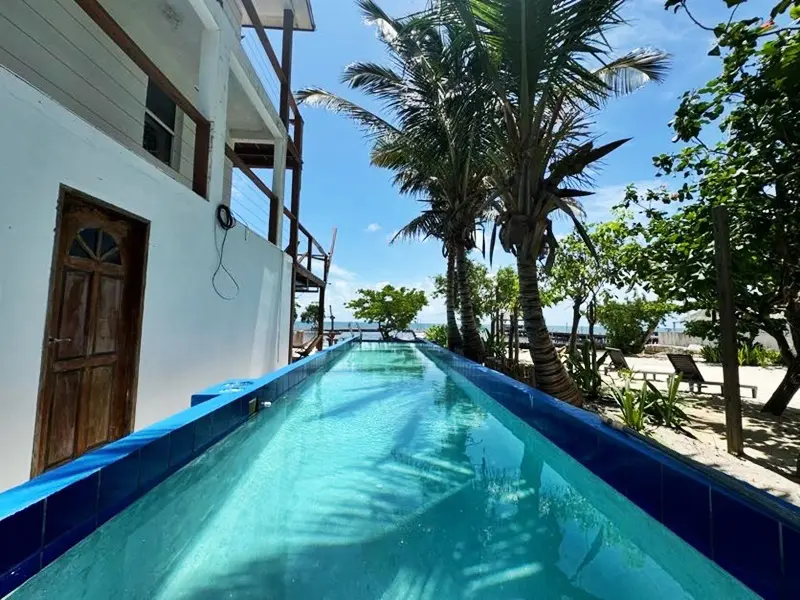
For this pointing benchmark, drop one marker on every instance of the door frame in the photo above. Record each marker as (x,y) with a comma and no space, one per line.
(140,231)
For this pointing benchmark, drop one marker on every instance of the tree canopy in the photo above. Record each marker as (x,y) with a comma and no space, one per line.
(754,171)
(310,313)
(392,309)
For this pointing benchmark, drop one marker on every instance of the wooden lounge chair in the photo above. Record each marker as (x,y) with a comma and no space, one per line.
(619,363)
(685,366)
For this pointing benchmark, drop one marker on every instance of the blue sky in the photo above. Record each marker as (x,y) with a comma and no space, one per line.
(341,189)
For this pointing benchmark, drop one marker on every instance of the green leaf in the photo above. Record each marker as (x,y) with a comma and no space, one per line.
(714,51)
(780,8)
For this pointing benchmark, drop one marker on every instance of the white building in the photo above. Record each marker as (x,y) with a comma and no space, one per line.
(123,127)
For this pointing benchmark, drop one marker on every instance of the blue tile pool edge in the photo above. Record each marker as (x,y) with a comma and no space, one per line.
(699,507)
(44,517)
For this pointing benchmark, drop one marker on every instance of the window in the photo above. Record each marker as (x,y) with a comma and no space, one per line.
(95,244)
(159,123)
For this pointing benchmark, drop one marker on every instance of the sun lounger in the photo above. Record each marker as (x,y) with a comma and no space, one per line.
(684,365)
(619,363)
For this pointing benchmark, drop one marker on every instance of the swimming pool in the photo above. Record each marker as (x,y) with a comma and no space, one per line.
(383,476)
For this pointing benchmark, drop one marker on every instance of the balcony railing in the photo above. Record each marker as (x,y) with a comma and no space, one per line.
(254,203)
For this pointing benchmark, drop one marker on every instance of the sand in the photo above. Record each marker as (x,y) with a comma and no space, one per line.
(772,444)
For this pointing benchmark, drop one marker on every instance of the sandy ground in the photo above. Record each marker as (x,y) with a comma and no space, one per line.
(772,444)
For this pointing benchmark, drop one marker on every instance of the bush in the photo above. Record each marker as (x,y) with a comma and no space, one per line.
(711,353)
(584,367)
(648,402)
(773,357)
(749,355)
(665,408)
(633,404)
(628,323)
(437,334)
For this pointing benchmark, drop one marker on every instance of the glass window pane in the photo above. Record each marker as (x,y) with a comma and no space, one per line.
(77,250)
(89,236)
(157,140)
(160,105)
(106,243)
(113,257)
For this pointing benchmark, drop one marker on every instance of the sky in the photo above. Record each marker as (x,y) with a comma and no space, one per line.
(342,190)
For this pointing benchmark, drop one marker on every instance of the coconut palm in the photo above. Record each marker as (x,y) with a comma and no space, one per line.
(433,144)
(550,67)
(431,223)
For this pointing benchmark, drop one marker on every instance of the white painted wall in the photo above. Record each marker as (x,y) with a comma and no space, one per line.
(191,338)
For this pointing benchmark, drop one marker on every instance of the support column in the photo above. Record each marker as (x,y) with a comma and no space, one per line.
(213,103)
(279,188)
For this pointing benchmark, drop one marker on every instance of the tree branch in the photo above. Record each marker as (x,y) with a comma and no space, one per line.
(695,21)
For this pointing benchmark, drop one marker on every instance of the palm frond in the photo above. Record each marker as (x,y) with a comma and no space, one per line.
(628,73)
(371,122)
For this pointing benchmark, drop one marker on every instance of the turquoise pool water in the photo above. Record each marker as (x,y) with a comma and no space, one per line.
(382,477)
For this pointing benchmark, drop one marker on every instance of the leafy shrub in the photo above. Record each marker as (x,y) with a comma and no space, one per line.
(585,370)
(437,334)
(711,353)
(648,402)
(494,345)
(703,329)
(633,404)
(773,357)
(749,355)
(664,407)
(628,323)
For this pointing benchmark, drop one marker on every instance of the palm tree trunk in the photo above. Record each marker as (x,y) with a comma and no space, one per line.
(454,341)
(473,345)
(551,376)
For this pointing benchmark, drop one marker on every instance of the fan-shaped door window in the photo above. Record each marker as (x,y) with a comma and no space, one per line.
(94,243)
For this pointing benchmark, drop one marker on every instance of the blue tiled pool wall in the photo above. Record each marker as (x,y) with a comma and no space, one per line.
(756,537)
(44,517)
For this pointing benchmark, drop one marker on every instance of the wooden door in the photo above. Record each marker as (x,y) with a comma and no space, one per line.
(91,343)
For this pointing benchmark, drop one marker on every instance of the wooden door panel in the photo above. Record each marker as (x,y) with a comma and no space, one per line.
(63,417)
(95,412)
(109,304)
(89,368)
(70,341)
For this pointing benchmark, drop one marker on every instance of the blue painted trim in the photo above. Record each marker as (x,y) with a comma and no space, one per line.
(749,533)
(44,517)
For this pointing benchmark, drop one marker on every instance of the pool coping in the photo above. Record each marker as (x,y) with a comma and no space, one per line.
(43,518)
(751,534)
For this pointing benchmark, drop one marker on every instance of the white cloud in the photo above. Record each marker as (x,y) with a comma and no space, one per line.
(337,272)
(373,227)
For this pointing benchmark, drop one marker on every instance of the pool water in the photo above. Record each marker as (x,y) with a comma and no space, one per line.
(383,477)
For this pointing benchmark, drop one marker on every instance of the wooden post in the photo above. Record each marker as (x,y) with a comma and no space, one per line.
(727,342)
(286,65)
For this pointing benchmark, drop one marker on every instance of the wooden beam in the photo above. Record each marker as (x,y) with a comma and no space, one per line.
(728,344)
(310,278)
(275,202)
(261,156)
(286,65)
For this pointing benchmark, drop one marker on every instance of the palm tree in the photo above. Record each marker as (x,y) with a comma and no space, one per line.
(431,223)
(550,66)
(436,148)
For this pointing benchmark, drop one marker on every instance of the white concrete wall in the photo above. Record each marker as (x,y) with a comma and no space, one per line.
(191,338)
